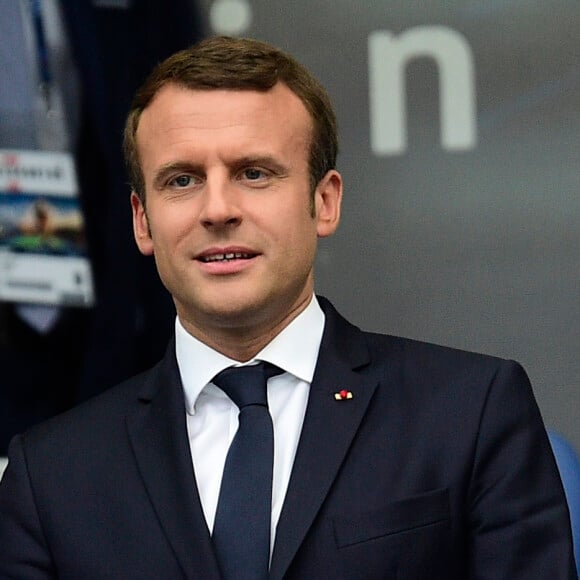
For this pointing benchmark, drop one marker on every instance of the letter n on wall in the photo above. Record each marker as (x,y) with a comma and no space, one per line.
(388,59)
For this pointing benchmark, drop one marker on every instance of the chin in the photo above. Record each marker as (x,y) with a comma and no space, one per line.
(232,312)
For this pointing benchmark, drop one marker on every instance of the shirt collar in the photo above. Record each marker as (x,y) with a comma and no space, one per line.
(294,349)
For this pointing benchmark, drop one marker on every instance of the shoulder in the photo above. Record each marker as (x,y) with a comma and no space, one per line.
(430,357)
(411,362)
(468,382)
(96,421)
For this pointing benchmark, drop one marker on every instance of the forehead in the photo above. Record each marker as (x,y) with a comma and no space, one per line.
(178,113)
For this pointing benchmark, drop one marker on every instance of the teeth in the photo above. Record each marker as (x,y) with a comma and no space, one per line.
(226,257)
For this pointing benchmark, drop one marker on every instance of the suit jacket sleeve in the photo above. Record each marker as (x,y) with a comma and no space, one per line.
(24,554)
(518,519)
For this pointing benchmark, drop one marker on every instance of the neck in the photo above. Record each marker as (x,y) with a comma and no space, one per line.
(242,343)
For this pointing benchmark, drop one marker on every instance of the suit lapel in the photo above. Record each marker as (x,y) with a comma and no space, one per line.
(158,435)
(328,430)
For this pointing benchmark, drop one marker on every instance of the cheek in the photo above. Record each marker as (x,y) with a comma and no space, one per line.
(170,226)
(298,237)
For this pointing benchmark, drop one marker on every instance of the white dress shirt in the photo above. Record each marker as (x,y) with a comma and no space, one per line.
(212,417)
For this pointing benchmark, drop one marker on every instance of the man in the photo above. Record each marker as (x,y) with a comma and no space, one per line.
(392,458)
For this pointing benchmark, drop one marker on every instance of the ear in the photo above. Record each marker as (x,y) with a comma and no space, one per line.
(327,201)
(141,226)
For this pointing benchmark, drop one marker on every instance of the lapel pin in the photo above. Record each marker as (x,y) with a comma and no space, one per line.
(343,395)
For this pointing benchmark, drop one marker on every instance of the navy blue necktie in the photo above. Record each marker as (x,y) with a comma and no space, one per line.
(241,533)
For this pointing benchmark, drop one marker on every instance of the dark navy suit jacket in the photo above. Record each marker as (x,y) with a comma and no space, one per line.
(438,467)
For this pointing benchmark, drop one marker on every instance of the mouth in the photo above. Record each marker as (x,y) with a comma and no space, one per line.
(225,257)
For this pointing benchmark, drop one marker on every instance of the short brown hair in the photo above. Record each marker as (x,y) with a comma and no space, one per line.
(244,64)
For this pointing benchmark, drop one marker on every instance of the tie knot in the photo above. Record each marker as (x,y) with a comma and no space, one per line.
(247,385)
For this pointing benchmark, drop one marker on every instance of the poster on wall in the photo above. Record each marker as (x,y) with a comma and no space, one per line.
(43,251)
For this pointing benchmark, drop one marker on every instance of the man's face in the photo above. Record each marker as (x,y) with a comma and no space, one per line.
(229,217)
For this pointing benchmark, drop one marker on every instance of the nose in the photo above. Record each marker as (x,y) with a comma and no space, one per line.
(220,205)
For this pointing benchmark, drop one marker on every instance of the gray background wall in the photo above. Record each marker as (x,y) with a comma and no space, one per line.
(475,245)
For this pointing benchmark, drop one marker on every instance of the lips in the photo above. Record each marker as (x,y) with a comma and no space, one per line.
(220,255)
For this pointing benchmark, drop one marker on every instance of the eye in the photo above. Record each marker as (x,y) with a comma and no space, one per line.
(181,181)
(253,174)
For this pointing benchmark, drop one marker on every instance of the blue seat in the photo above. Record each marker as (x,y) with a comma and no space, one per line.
(569,467)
